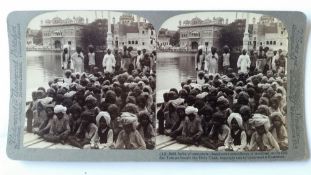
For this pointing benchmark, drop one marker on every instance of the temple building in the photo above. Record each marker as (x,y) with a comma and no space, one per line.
(137,34)
(164,37)
(58,32)
(197,32)
(268,32)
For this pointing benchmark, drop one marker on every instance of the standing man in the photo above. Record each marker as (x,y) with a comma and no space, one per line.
(261,61)
(91,56)
(78,60)
(146,61)
(109,62)
(66,60)
(275,59)
(244,62)
(139,59)
(226,59)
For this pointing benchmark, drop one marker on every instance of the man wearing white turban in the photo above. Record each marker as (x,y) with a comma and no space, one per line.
(262,139)
(129,137)
(236,139)
(60,128)
(192,128)
(103,137)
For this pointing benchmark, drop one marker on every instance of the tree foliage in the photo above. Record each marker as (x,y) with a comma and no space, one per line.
(232,35)
(37,39)
(95,34)
(174,40)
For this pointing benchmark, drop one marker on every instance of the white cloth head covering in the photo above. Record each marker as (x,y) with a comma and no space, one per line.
(70,94)
(202,95)
(128,118)
(45,101)
(191,110)
(237,117)
(60,108)
(259,120)
(104,114)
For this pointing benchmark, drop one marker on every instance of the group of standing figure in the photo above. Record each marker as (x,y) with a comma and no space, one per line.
(120,60)
(260,60)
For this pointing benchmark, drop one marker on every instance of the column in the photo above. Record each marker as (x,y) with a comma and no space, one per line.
(109,34)
(246,34)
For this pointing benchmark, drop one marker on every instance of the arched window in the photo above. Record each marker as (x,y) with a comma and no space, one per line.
(136,42)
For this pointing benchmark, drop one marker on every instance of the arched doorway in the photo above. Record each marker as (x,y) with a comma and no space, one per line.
(194,45)
(57,44)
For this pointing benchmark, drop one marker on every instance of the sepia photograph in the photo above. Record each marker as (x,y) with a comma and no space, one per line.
(222,82)
(91,79)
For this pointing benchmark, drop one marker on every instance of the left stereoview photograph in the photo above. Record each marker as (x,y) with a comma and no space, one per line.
(90,81)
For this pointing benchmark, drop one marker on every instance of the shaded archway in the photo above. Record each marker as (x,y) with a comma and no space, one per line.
(57,44)
(194,45)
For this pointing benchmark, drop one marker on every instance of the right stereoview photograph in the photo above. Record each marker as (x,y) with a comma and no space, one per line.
(221,82)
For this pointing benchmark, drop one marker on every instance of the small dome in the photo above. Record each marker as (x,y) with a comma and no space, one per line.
(196,21)
(56,20)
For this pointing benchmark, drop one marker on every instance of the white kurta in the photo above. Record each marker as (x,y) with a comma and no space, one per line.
(244,63)
(211,63)
(91,59)
(138,60)
(77,60)
(109,62)
(226,59)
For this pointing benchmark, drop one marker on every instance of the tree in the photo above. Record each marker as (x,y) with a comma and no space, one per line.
(37,39)
(95,34)
(174,40)
(232,35)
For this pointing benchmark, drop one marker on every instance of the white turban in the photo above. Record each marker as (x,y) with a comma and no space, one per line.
(191,110)
(259,120)
(202,95)
(60,108)
(70,94)
(237,117)
(45,101)
(106,115)
(128,118)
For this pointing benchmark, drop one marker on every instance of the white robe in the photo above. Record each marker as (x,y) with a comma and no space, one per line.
(78,63)
(109,62)
(211,64)
(91,59)
(138,60)
(244,63)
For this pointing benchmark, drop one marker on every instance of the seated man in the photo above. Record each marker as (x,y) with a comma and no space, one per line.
(218,133)
(129,137)
(192,129)
(60,128)
(262,139)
